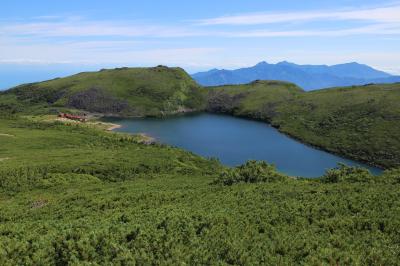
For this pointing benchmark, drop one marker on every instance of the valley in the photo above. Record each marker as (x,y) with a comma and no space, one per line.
(166,205)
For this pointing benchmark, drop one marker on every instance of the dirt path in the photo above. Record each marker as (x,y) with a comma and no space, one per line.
(6,135)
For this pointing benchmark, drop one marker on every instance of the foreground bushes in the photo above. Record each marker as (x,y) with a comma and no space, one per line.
(344,173)
(183,220)
(70,197)
(250,172)
(262,172)
(391,176)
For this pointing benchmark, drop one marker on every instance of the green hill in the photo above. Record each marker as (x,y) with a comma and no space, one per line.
(122,91)
(257,100)
(360,122)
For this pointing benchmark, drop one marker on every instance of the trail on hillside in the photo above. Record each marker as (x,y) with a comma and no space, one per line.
(6,135)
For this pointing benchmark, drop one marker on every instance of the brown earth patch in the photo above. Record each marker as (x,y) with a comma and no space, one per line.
(37,204)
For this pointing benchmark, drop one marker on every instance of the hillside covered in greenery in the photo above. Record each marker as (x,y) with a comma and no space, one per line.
(71,194)
(362,123)
(120,92)
(359,122)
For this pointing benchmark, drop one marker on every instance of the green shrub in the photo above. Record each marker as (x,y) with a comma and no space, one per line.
(391,176)
(344,173)
(250,172)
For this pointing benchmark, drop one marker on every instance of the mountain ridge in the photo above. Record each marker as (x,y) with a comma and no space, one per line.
(309,77)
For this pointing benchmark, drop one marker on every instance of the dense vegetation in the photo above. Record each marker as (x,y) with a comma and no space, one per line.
(362,123)
(75,195)
(250,172)
(123,91)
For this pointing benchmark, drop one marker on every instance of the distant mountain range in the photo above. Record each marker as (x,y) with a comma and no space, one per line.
(309,77)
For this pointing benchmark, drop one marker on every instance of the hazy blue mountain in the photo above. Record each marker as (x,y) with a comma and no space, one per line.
(309,77)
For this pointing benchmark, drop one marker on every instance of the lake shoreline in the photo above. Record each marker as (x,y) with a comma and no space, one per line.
(301,140)
(258,148)
(146,138)
(113,127)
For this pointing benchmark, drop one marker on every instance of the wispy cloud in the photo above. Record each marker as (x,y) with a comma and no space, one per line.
(379,29)
(94,28)
(49,17)
(381,14)
(99,52)
(384,20)
(103,29)
(79,39)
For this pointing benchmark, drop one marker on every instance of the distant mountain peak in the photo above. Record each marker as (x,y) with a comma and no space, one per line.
(286,63)
(262,63)
(351,64)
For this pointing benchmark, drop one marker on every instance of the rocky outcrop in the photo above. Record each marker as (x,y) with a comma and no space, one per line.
(96,100)
(221,102)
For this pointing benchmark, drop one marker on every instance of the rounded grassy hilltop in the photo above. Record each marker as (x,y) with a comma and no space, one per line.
(120,92)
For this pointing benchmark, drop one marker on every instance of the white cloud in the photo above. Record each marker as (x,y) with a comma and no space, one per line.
(97,52)
(104,30)
(382,14)
(380,29)
(85,28)
(382,20)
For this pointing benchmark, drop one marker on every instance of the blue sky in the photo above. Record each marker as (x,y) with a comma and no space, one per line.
(198,35)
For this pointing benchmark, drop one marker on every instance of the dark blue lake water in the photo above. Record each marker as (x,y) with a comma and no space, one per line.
(235,140)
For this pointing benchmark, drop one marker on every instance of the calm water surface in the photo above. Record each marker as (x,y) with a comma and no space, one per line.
(234,141)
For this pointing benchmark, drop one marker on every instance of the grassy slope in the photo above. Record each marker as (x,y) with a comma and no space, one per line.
(359,122)
(70,195)
(257,99)
(123,91)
